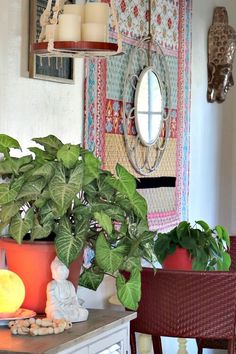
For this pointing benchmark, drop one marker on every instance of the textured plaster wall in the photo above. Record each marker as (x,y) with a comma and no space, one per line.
(28,107)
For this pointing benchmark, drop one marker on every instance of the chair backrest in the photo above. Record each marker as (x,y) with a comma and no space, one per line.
(187,304)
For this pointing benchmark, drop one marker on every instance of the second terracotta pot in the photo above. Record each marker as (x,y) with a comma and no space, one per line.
(179,260)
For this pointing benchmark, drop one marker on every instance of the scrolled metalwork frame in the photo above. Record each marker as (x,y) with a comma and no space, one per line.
(146,54)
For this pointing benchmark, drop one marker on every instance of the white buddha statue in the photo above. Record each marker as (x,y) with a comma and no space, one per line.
(62,301)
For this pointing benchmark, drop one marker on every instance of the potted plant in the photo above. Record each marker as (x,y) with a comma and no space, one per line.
(59,191)
(206,248)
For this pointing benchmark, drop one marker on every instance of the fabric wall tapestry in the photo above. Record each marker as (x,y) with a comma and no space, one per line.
(166,190)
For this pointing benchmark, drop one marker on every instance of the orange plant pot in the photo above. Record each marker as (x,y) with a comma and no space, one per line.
(179,260)
(32,261)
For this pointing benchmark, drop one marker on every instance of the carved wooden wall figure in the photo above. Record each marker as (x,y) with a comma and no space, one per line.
(221,49)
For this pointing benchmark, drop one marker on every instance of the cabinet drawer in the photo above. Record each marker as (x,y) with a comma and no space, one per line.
(105,343)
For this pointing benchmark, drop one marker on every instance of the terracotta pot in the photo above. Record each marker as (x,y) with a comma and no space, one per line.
(31,261)
(179,260)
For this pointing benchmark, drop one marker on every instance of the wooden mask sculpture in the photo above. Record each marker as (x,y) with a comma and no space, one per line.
(221,49)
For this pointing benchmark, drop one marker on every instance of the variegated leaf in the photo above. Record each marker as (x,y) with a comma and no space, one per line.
(50,143)
(68,247)
(9,142)
(129,292)
(6,195)
(31,189)
(19,227)
(69,155)
(109,259)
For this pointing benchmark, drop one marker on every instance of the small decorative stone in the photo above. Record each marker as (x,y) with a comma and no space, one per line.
(39,326)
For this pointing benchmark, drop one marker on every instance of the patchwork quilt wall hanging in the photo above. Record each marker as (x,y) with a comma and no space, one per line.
(166,190)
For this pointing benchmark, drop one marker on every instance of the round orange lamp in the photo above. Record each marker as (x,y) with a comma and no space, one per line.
(12,292)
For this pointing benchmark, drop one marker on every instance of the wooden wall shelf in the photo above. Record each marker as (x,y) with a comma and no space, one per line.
(75,49)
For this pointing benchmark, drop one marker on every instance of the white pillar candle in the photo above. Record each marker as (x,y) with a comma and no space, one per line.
(52,32)
(76,9)
(96,12)
(94,32)
(69,27)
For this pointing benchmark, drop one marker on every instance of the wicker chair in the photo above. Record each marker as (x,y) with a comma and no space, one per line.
(186,304)
(219,343)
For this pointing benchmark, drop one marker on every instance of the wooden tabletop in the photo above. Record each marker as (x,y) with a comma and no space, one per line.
(98,322)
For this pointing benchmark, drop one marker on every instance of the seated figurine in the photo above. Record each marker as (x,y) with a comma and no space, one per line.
(62,301)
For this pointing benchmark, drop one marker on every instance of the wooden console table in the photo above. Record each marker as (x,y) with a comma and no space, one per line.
(102,330)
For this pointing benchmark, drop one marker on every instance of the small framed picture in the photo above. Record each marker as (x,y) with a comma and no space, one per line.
(45,68)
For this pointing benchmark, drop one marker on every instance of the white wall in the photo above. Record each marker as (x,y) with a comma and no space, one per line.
(212,131)
(28,107)
(212,194)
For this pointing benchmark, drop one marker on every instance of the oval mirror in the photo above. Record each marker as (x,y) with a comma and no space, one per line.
(148,106)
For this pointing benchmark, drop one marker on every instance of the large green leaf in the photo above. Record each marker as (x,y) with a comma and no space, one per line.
(76,176)
(9,142)
(131,263)
(68,247)
(22,161)
(40,231)
(82,229)
(147,237)
(27,169)
(46,171)
(148,253)
(17,183)
(13,164)
(69,155)
(223,234)
(203,224)
(129,292)
(104,221)
(6,195)
(9,210)
(46,213)
(226,261)
(50,143)
(188,243)
(113,211)
(82,211)
(197,265)
(90,279)
(31,189)
(109,259)
(106,190)
(182,229)
(61,192)
(41,155)
(6,167)
(163,247)
(19,226)
(125,183)
(91,167)
(139,205)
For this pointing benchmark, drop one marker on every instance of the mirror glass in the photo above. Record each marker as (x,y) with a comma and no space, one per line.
(149,106)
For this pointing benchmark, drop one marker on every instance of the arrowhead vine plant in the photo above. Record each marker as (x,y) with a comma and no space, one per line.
(60,190)
(207,247)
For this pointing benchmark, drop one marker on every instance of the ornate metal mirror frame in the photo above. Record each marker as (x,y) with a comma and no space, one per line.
(146,114)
